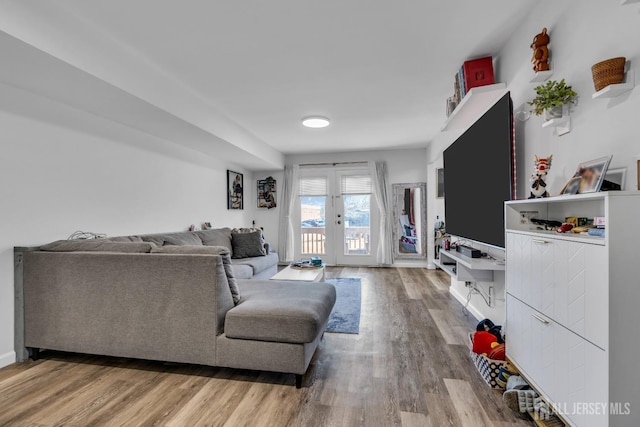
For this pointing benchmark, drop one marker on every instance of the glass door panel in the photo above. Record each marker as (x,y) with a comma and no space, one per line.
(313,225)
(357,224)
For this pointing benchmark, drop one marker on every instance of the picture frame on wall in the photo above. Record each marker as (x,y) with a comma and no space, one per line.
(440,183)
(235,190)
(267,193)
(588,177)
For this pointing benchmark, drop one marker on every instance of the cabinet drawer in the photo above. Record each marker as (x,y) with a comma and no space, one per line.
(566,281)
(568,370)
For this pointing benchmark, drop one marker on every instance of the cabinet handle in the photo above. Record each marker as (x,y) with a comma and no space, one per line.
(541,241)
(540,318)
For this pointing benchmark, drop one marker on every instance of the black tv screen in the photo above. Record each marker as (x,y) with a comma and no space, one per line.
(478,177)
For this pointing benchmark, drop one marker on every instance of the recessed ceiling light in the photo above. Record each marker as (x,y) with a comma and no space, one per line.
(315,122)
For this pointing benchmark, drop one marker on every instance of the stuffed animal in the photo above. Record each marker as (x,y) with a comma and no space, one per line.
(488,326)
(540,51)
(538,179)
(484,342)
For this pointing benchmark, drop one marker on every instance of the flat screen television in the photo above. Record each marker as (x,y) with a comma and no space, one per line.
(479,177)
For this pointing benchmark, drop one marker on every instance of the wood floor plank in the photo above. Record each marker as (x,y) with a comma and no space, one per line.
(468,407)
(408,366)
(412,419)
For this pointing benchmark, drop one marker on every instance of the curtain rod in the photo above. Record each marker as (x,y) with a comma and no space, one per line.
(334,164)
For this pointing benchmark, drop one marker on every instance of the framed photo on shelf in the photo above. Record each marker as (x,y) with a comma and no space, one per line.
(267,194)
(235,192)
(615,178)
(440,183)
(588,177)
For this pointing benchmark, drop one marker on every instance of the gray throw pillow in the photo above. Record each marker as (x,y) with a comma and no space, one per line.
(247,245)
(97,245)
(207,250)
(216,237)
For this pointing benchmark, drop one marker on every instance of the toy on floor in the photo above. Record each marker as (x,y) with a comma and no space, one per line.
(538,179)
(488,326)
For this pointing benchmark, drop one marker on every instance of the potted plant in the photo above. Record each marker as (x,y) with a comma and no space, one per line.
(550,98)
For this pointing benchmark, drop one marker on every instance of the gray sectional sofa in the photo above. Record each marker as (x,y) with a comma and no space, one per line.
(254,267)
(129,297)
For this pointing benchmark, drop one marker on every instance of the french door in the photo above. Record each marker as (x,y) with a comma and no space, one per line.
(337,216)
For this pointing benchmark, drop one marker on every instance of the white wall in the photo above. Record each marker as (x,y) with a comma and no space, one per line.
(98,176)
(403,166)
(580,36)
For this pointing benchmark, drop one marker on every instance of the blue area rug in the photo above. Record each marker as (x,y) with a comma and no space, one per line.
(345,316)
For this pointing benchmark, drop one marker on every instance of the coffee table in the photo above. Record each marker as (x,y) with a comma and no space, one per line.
(300,274)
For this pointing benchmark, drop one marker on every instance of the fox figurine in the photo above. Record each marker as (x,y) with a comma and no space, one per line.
(538,179)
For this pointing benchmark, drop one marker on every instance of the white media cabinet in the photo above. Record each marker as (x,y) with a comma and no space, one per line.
(572,303)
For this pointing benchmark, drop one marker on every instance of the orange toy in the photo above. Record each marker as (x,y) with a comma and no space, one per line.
(540,51)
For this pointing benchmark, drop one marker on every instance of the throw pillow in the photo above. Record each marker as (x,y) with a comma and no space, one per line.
(247,245)
(97,245)
(216,237)
(207,250)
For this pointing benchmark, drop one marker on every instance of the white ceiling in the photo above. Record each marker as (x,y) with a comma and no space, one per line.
(380,69)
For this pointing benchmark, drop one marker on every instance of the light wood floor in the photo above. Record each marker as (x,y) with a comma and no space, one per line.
(409,366)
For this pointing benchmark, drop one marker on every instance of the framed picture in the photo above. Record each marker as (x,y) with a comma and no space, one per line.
(235,190)
(267,193)
(588,177)
(615,179)
(440,183)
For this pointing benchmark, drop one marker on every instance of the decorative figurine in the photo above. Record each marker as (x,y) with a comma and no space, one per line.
(539,186)
(540,51)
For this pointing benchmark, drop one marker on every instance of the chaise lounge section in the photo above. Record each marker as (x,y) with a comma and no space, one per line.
(128,299)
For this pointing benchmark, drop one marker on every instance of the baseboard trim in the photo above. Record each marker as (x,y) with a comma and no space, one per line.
(463,300)
(7,359)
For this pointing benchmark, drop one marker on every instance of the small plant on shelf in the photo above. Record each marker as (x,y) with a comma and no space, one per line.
(551,96)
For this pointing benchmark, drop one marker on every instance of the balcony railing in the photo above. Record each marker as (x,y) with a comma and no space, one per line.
(356,240)
(313,239)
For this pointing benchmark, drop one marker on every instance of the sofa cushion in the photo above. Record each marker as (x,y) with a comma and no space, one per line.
(257,264)
(188,238)
(289,312)
(207,250)
(97,245)
(136,239)
(242,271)
(216,237)
(247,245)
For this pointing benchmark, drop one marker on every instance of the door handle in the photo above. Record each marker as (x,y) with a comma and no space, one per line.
(540,318)
(541,241)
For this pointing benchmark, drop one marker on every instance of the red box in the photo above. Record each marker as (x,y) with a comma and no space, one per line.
(478,72)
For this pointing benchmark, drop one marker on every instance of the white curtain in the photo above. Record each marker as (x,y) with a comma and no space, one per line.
(289,194)
(379,177)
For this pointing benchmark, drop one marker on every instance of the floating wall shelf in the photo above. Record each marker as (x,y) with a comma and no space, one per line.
(543,76)
(612,91)
(474,105)
(562,124)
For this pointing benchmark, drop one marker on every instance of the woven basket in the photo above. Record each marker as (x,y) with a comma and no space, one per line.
(608,72)
(489,369)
